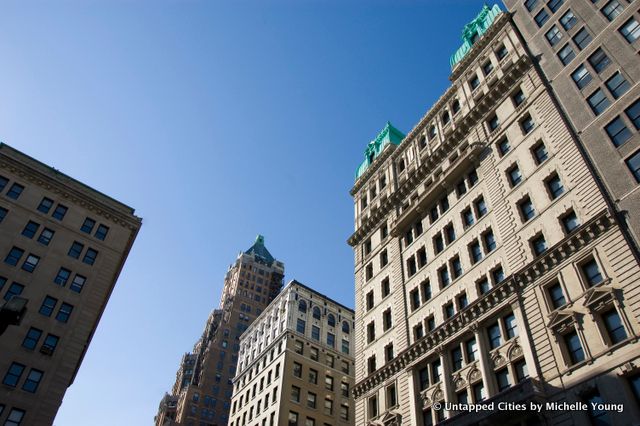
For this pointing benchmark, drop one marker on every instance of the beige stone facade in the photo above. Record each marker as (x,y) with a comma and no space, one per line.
(203,387)
(63,246)
(489,265)
(296,363)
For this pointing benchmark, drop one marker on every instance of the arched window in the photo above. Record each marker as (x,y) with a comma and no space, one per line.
(455,106)
(302,306)
(432,132)
(316,312)
(345,327)
(422,142)
(331,320)
(445,117)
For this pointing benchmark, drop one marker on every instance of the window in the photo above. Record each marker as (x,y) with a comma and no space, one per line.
(522,372)
(502,377)
(540,153)
(617,85)
(471,348)
(331,340)
(433,214)
(444,204)
(411,266)
(554,186)
(33,380)
(313,353)
(371,332)
(426,290)
(518,98)
(510,326)
(438,243)
(30,229)
(530,4)
(101,232)
(418,331)
(369,298)
(614,326)
(311,399)
(12,377)
(495,339)
(384,231)
(456,267)
(592,273)
(368,272)
(478,392)
(295,394)
(422,257)
(423,377)
(498,275)
(566,54)
(436,371)
(527,124)
(461,188)
(467,217)
(554,5)
(388,352)
(345,346)
(385,287)
(489,241)
(581,76)
(574,347)
(450,233)
(15,289)
(45,236)
(599,60)
(541,17)
(618,132)
(481,207)
(3,182)
(502,52)
(582,38)
(445,280)
(373,407)
(612,9)
(568,20)
(300,326)
(596,413)
(62,277)
(78,283)
(449,310)
(384,258)
(456,358)
(630,31)
(474,82)
(514,175)
(15,191)
(45,205)
(503,146)
(473,177)
(3,213)
(48,305)
(31,339)
(386,320)
(90,256)
(371,364)
(49,345)
(475,251)
(455,106)
(431,323)
(526,209)
(15,417)
(344,412)
(344,388)
(570,221)
(331,320)
(75,250)
(633,163)
(487,68)
(14,256)
(297,370)
(315,333)
(553,35)
(64,312)
(556,295)
(293,418)
(328,407)
(30,263)
(88,225)
(59,212)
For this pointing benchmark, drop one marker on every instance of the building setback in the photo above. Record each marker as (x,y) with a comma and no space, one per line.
(588,52)
(202,391)
(62,246)
(296,363)
(489,265)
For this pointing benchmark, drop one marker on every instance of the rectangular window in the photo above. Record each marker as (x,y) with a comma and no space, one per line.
(30,263)
(599,60)
(369,299)
(553,35)
(471,348)
(502,377)
(15,289)
(633,163)
(612,9)
(514,175)
(570,221)
(386,287)
(88,225)
(12,377)
(556,295)
(450,233)
(311,400)
(422,257)
(487,68)
(423,377)
(539,245)
(295,394)
(48,305)
(518,98)
(75,250)
(501,52)
(15,191)
(411,266)
(541,17)
(613,324)
(493,124)
(630,30)
(527,124)
(568,20)
(315,333)
(467,217)
(456,358)
(574,347)
(371,364)
(449,310)
(59,212)
(14,256)
(33,380)
(498,275)
(456,267)
(474,82)
(64,312)
(438,243)
(445,280)
(526,209)
(297,370)
(331,340)
(481,207)
(581,76)
(388,352)
(371,332)
(475,251)
(3,213)
(418,331)
(46,236)
(633,112)
(540,153)
(300,326)
(45,205)
(566,54)
(495,338)
(49,345)
(62,277)
(618,132)
(386,320)
(530,4)
(554,5)
(78,283)
(554,186)
(90,256)
(510,326)
(426,290)
(617,85)
(30,229)
(483,286)
(592,273)
(582,38)
(489,241)
(31,339)
(503,146)
(3,182)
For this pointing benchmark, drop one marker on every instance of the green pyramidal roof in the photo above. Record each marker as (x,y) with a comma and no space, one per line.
(389,134)
(260,251)
(474,30)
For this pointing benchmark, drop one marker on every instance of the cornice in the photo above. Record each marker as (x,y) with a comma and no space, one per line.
(507,289)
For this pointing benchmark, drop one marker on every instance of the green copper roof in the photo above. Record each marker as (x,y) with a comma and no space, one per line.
(389,134)
(260,251)
(474,30)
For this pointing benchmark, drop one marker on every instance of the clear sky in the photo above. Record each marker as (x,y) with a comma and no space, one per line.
(216,121)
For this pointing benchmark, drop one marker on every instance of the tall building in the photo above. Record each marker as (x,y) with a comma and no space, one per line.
(489,264)
(202,391)
(588,52)
(296,363)
(62,246)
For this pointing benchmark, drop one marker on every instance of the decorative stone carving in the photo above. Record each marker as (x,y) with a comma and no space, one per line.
(459,383)
(438,395)
(474,375)
(515,351)
(498,360)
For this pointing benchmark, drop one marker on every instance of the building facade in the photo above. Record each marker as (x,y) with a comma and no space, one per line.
(489,265)
(296,363)
(203,385)
(588,52)
(63,245)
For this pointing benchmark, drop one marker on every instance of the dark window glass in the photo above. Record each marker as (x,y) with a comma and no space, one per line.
(553,35)
(45,205)
(48,305)
(101,232)
(456,358)
(30,263)
(15,191)
(476,252)
(526,209)
(554,5)
(555,186)
(483,286)
(3,213)
(598,102)
(88,225)
(59,212)
(62,277)
(592,273)
(557,296)
(530,4)
(518,98)
(31,339)
(489,241)
(568,20)
(12,377)
(75,250)
(574,347)
(14,256)
(481,207)
(50,343)
(630,30)
(510,326)
(633,163)
(32,381)
(598,416)
(3,182)
(46,236)
(599,60)
(495,338)
(515,177)
(582,38)
(570,222)
(617,85)
(618,131)
(15,289)
(633,112)
(444,277)
(503,146)
(581,76)
(612,9)
(78,283)
(613,324)
(566,54)
(64,312)
(541,17)
(467,217)
(300,326)
(527,124)
(539,245)
(474,82)
(30,229)
(487,68)
(502,377)
(540,153)
(502,52)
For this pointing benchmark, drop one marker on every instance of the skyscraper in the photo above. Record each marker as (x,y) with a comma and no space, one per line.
(296,363)
(62,247)
(490,265)
(202,392)
(588,53)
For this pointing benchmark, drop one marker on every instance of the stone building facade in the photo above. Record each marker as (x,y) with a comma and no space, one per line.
(296,363)
(203,385)
(62,247)
(489,264)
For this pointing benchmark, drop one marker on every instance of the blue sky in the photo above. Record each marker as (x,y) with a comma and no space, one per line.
(216,121)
